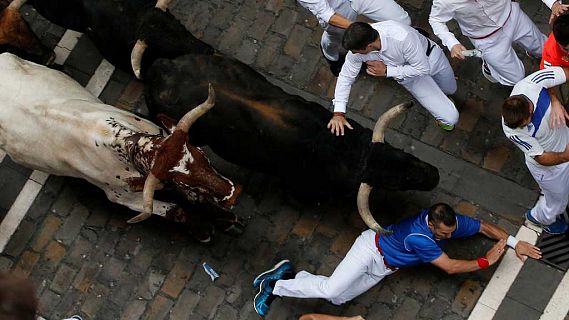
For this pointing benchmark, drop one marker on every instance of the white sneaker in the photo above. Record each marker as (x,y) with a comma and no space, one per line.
(487,74)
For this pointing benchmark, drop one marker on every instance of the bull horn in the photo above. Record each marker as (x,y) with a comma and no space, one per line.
(365,213)
(16,4)
(152,183)
(163,4)
(385,119)
(136,57)
(189,118)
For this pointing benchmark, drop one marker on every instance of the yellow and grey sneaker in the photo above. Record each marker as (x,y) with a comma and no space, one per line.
(445,126)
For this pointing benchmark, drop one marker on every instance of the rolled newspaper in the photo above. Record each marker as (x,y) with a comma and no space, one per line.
(472,53)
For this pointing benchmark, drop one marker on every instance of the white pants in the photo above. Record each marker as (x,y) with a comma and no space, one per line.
(497,50)
(361,269)
(554,184)
(431,91)
(376,10)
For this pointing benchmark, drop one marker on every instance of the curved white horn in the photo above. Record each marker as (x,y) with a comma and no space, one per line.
(16,4)
(386,117)
(365,213)
(189,118)
(163,4)
(151,184)
(136,57)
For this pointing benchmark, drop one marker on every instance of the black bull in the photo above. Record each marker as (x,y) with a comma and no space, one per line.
(115,26)
(259,126)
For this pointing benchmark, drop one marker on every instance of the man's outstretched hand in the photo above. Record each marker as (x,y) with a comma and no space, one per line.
(524,250)
(337,123)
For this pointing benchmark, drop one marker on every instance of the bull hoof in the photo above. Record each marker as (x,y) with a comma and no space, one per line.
(204,237)
(236,228)
(141,217)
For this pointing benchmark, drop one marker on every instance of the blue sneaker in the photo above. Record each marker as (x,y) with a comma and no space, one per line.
(532,219)
(558,227)
(264,297)
(280,271)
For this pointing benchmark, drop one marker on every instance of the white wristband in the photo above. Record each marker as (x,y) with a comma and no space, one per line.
(512,242)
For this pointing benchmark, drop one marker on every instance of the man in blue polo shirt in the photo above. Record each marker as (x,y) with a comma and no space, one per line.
(414,241)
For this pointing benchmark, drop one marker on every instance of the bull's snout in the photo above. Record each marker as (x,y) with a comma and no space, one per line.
(432,178)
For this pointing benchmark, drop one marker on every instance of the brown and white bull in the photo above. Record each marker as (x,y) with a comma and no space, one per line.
(17,37)
(50,123)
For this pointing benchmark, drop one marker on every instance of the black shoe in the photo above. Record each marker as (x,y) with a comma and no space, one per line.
(335,66)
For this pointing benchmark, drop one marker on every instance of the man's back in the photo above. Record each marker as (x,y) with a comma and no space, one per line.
(538,136)
(474,18)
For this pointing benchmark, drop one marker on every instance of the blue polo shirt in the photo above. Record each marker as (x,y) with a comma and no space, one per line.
(413,243)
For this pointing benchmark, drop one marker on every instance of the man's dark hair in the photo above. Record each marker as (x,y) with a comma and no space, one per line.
(442,213)
(515,111)
(561,29)
(358,36)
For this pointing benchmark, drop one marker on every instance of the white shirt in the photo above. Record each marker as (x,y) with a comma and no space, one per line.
(325,9)
(476,18)
(403,50)
(538,137)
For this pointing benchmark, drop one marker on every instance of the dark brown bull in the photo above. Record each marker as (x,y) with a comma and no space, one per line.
(259,126)
(122,30)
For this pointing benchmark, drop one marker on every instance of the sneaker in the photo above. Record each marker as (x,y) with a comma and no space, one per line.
(486,73)
(445,126)
(280,271)
(335,66)
(532,219)
(264,297)
(558,227)
(74,317)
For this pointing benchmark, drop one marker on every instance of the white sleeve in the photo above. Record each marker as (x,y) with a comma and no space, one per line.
(438,19)
(549,3)
(347,77)
(548,77)
(527,144)
(415,55)
(320,8)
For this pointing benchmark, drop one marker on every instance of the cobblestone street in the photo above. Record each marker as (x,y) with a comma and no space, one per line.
(84,258)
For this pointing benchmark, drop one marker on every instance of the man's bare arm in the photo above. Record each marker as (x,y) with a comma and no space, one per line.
(339,21)
(523,249)
(553,158)
(452,266)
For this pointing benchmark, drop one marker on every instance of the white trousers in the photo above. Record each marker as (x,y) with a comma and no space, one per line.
(497,50)
(431,91)
(361,269)
(376,10)
(554,184)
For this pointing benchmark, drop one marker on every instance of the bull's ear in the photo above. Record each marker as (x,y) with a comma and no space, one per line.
(167,122)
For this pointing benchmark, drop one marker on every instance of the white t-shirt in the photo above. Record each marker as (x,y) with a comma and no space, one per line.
(538,137)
